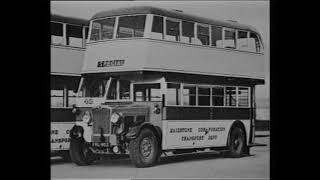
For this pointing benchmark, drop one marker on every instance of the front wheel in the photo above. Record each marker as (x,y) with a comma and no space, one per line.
(144,150)
(80,153)
(237,146)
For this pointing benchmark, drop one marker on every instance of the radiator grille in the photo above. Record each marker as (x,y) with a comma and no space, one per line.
(101,121)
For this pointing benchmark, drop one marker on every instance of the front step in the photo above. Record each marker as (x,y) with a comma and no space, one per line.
(256,144)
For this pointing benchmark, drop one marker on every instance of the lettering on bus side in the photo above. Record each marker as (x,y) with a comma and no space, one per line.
(109,63)
(204,130)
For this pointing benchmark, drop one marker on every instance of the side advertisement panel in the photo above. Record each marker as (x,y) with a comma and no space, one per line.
(60,135)
(196,133)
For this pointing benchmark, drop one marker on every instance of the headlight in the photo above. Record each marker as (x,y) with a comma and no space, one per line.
(86,117)
(115,117)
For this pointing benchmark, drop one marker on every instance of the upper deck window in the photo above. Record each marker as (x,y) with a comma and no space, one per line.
(242,40)
(131,26)
(216,36)
(187,31)
(74,36)
(172,30)
(102,29)
(56,33)
(254,43)
(229,38)
(157,27)
(203,34)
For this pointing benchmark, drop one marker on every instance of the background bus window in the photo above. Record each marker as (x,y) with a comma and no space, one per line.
(203,96)
(231,96)
(216,36)
(203,34)
(131,26)
(173,94)
(189,95)
(56,33)
(74,36)
(71,98)
(157,28)
(172,30)
(243,97)
(124,88)
(217,96)
(102,29)
(229,38)
(242,40)
(147,92)
(56,98)
(254,43)
(187,32)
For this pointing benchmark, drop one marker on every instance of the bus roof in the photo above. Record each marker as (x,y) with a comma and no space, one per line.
(173,14)
(69,20)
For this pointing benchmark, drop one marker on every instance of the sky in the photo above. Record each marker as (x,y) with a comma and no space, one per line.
(254,13)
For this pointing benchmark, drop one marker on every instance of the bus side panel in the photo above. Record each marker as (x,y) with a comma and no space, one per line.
(195,133)
(60,135)
(62,120)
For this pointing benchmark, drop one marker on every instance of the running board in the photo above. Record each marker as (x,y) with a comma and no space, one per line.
(256,144)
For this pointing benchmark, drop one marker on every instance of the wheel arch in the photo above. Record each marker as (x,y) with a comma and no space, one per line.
(238,124)
(135,132)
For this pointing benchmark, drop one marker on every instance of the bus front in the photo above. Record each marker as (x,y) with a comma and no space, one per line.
(111,105)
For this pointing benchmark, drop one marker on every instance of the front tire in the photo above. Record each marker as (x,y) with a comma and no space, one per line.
(144,150)
(80,153)
(237,146)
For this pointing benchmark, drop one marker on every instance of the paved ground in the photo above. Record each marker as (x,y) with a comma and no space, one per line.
(204,165)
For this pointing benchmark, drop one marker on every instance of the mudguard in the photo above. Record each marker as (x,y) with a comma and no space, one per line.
(135,131)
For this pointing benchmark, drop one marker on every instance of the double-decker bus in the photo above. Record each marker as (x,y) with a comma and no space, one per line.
(156,81)
(67,53)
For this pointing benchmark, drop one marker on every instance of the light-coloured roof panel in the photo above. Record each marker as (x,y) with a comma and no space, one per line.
(173,14)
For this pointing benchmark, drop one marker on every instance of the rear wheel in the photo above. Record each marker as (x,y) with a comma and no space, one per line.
(80,153)
(144,150)
(237,145)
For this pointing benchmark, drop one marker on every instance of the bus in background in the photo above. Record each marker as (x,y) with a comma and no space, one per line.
(156,81)
(67,51)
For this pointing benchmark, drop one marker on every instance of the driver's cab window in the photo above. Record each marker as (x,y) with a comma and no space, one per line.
(147,92)
(119,90)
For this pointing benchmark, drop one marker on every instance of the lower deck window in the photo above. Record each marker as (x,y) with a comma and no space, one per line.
(189,95)
(217,96)
(147,92)
(231,99)
(203,96)
(173,94)
(57,98)
(243,97)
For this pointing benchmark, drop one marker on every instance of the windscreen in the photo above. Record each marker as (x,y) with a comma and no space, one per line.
(93,87)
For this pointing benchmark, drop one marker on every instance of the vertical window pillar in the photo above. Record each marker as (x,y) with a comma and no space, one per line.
(181,94)
(64,31)
(83,36)
(65,96)
(237,96)
(115,28)
(164,27)
(148,25)
(118,90)
(210,34)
